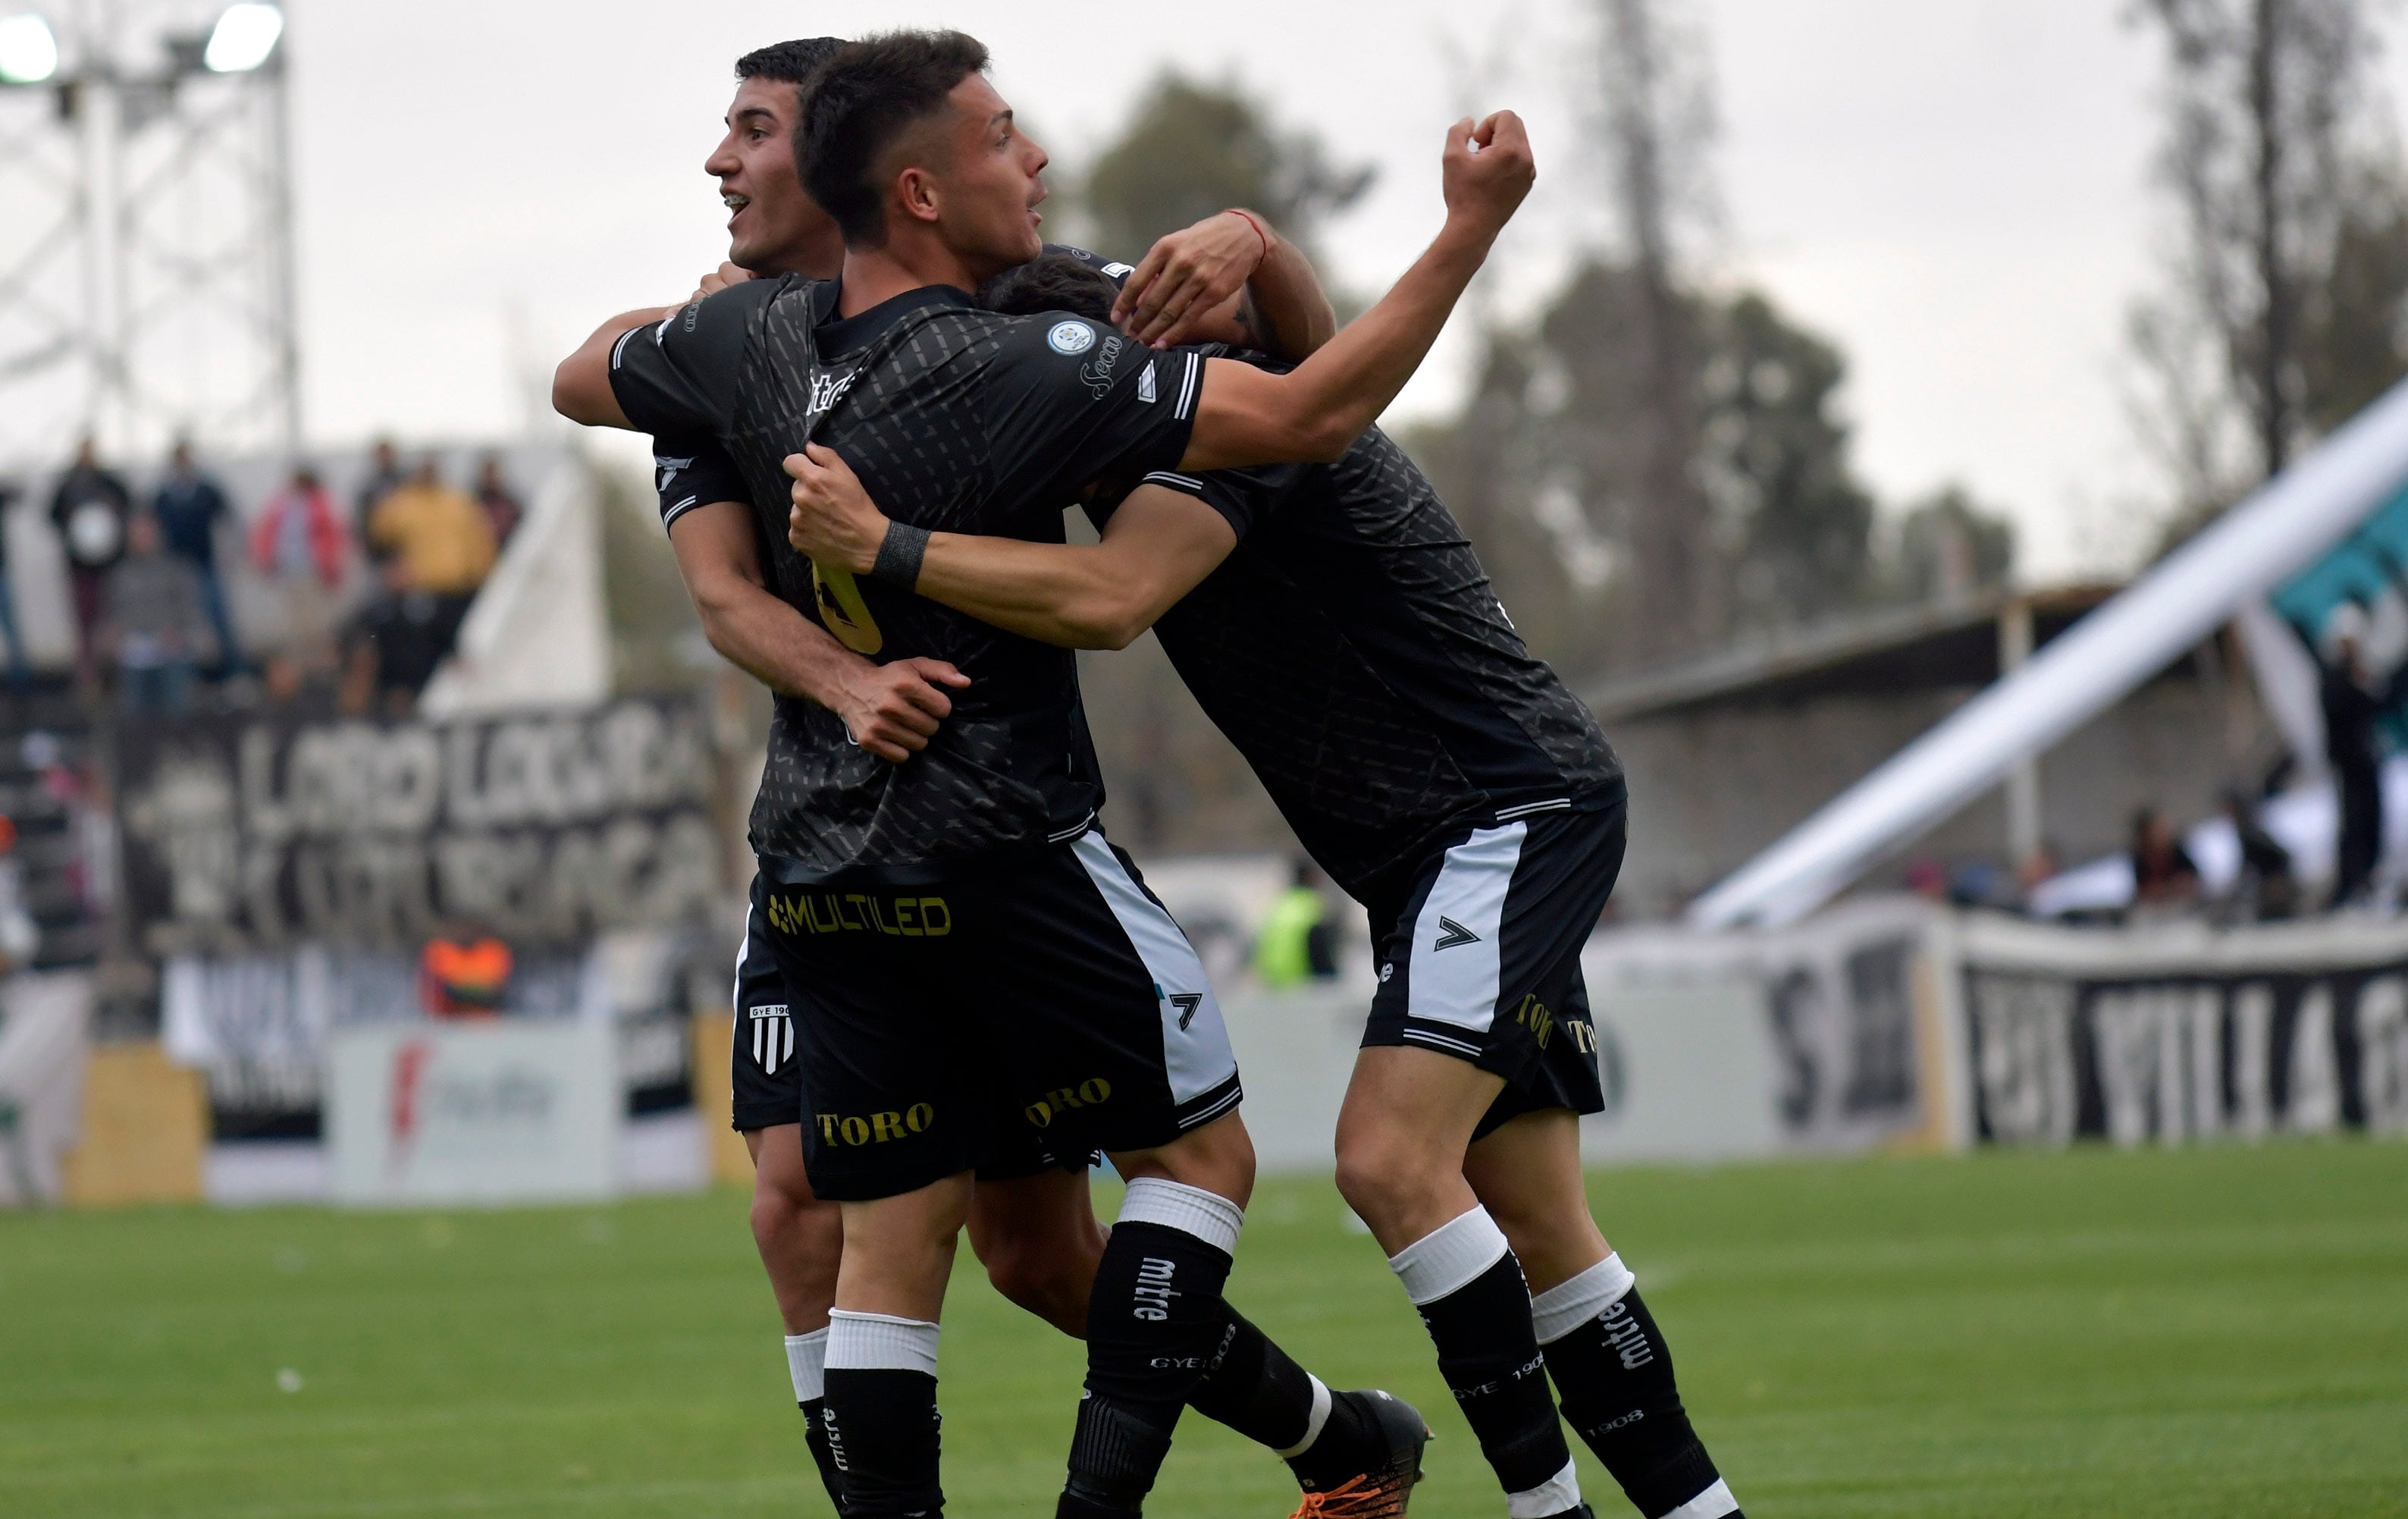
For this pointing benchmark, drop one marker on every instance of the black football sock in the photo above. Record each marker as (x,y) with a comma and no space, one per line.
(807,1362)
(1252,1386)
(1467,1284)
(881,1418)
(1614,1373)
(1154,1322)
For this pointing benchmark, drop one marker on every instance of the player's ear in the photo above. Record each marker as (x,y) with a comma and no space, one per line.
(916,194)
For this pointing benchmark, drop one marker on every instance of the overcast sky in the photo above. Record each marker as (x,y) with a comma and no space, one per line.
(1955,191)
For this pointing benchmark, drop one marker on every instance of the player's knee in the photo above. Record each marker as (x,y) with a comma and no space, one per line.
(1049,1277)
(1383,1172)
(792,1218)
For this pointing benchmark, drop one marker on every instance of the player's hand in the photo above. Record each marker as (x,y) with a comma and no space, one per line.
(894,710)
(1185,275)
(1487,170)
(833,519)
(719,280)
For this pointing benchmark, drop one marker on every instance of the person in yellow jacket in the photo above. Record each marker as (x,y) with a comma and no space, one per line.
(442,538)
(1296,944)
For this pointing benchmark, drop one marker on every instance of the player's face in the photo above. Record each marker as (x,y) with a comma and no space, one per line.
(992,184)
(771,224)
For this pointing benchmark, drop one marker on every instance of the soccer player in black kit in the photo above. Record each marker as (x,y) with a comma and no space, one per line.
(1336,625)
(956,923)
(1031,1221)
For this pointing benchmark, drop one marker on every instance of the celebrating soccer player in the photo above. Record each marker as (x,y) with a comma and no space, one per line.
(1030,1218)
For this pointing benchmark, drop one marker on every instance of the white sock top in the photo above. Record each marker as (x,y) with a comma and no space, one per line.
(1449,1256)
(1559,1494)
(1566,1306)
(1174,1205)
(806,1360)
(880,1343)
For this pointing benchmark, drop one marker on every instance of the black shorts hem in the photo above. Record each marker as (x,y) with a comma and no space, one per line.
(748,1117)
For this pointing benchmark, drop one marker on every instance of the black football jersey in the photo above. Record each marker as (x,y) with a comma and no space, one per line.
(956,419)
(1354,651)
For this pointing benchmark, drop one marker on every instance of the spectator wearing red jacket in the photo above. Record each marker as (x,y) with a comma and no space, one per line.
(299,545)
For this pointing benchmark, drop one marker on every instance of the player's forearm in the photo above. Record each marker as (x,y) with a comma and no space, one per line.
(771,641)
(1073,596)
(1314,413)
(580,387)
(1292,314)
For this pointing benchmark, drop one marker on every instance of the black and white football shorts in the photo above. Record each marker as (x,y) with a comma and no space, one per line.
(1042,995)
(1480,955)
(768,1082)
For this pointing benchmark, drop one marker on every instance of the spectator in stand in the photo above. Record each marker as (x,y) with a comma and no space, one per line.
(189,505)
(384,478)
(394,646)
(298,545)
(2354,709)
(1297,944)
(18,673)
(89,508)
(157,622)
(2163,876)
(440,536)
(2268,889)
(464,972)
(503,509)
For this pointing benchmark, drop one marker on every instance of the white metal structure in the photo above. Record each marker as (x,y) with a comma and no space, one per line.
(2280,529)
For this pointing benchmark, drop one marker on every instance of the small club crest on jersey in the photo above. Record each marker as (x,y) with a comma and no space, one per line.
(1070,338)
(773,1037)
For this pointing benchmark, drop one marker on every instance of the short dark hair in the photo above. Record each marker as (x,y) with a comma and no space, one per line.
(1052,283)
(860,105)
(788,62)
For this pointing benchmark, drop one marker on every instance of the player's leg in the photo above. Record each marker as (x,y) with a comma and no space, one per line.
(890,1134)
(1408,1117)
(799,1236)
(1128,1054)
(1033,1226)
(1609,1361)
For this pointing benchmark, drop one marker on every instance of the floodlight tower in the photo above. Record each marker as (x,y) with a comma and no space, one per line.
(148,289)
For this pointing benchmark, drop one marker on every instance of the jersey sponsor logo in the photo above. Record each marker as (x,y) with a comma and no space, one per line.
(773,1037)
(1542,1022)
(1070,338)
(1092,1093)
(1451,933)
(860,1130)
(843,612)
(1097,373)
(860,913)
(1145,391)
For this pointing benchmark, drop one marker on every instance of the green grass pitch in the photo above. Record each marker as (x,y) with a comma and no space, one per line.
(2219,1331)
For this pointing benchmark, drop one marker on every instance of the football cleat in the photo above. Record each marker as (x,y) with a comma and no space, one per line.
(1392,1464)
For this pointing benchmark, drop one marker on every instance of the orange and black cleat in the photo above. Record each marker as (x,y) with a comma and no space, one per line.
(1384,1486)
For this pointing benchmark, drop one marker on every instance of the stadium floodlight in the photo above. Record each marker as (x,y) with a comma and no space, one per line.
(29,55)
(244,37)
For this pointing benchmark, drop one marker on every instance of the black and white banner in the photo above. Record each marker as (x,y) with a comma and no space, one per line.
(2176,1032)
(256,834)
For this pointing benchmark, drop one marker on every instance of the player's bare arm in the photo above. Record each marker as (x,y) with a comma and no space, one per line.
(1316,410)
(1158,545)
(891,709)
(1230,277)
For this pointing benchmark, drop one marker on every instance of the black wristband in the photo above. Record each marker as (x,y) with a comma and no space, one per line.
(900,555)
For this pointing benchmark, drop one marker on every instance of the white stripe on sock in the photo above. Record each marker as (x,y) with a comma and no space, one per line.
(1566,1306)
(1312,1426)
(1449,1256)
(880,1343)
(806,1360)
(1206,1215)
(1712,1503)
(1559,1494)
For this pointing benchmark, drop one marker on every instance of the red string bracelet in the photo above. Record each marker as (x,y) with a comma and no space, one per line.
(1257,226)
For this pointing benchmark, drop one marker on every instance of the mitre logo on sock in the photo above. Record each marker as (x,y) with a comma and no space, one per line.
(1624,1334)
(1152,1298)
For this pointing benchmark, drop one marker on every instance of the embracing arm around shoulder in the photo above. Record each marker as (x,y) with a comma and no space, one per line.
(891,709)
(1157,546)
(580,387)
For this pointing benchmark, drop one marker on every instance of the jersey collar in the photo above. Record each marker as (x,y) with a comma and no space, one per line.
(842,335)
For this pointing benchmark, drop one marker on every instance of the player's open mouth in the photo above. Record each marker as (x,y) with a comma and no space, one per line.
(735,204)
